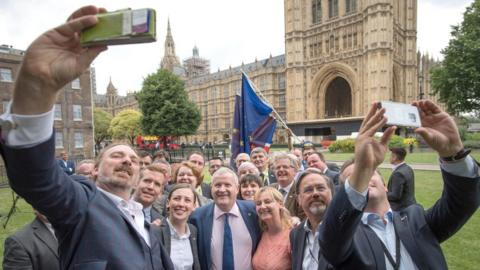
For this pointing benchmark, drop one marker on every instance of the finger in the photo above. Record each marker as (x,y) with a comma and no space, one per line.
(387,135)
(424,132)
(83,11)
(76,25)
(371,112)
(375,120)
(89,55)
(376,126)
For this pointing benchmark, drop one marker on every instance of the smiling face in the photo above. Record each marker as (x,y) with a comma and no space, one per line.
(118,169)
(185,175)
(224,190)
(241,158)
(181,204)
(268,209)
(150,187)
(314,196)
(284,172)
(314,161)
(260,160)
(248,190)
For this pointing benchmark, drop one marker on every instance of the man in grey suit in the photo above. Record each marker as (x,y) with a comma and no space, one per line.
(401,185)
(98,225)
(34,247)
(315,191)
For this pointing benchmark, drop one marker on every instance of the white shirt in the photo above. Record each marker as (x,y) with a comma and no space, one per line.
(133,212)
(180,249)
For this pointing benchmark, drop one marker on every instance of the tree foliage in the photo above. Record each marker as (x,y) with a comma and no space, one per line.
(166,109)
(457,79)
(101,120)
(126,125)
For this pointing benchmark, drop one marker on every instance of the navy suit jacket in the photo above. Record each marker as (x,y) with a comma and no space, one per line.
(348,244)
(202,218)
(92,232)
(69,169)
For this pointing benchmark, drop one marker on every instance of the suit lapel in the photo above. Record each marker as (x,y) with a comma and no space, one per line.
(401,226)
(375,245)
(208,225)
(41,231)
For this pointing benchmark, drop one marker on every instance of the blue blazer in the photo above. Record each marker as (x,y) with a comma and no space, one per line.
(348,244)
(202,218)
(69,169)
(92,232)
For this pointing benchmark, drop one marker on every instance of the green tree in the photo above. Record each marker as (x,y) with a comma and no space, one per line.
(101,120)
(126,125)
(166,109)
(457,79)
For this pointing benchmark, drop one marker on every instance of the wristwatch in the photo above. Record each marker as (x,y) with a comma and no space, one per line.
(458,156)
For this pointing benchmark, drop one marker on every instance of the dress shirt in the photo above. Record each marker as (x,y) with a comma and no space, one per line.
(311,249)
(386,233)
(180,249)
(133,212)
(50,228)
(147,211)
(242,241)
(396,166)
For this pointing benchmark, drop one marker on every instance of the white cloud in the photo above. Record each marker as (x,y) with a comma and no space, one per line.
(226,32)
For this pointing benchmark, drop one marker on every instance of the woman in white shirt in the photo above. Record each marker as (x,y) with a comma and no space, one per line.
(177,236)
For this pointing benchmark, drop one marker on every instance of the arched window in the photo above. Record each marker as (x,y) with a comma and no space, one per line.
(316,11)
(338,99)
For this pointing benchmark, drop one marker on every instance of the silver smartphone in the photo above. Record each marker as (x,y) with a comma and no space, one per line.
(401,114)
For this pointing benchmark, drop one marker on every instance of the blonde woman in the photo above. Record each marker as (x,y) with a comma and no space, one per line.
(274,250)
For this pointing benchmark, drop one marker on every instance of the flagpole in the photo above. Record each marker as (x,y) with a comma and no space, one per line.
(276,114)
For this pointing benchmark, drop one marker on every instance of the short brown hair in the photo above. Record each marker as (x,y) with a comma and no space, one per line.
(196,172)
(399,152)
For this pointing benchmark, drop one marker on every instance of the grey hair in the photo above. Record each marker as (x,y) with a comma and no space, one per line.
(246,164)
(225,171)
(280,156)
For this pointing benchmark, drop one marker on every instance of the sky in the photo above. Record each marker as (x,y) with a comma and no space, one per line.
(226,32)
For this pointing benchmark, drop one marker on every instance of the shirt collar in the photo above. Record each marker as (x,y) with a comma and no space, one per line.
(217,212)
(119,202)
(369,218)
(287,188)
(306,226)
(174,232)
(398,165)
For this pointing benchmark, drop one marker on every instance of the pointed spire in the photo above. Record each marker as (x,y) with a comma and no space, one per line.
(170,59)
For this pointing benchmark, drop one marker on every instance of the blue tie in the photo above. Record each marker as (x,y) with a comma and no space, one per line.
(227,262)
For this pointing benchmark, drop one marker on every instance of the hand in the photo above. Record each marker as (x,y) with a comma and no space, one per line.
(369,153)
(438,129)
(157,222)
(53,60)
(295,221)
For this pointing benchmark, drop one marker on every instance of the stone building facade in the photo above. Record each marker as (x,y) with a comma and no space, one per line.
(113,103)
(340,56)
(73,109)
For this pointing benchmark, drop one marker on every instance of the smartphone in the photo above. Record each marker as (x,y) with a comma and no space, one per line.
(401,114)
(121,27)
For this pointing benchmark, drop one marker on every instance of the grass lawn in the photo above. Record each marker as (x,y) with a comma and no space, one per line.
(461,251)
(415,157)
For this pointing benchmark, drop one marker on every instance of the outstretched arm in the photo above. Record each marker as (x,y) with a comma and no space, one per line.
(53,60)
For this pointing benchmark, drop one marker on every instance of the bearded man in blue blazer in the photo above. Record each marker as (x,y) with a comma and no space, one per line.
(218,247)
(98,225)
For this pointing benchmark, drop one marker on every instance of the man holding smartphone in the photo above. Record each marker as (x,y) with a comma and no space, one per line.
(98,225)
(360,230)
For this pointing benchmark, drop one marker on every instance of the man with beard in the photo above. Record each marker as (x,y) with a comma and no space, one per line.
(149,189)
(97,224)
(259,157)
(360,230)
(228,229)
(315,191)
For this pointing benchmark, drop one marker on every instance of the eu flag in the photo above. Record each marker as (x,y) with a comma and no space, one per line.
(253,126)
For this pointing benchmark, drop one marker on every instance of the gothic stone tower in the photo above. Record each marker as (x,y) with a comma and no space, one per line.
(341,55)
(170,60)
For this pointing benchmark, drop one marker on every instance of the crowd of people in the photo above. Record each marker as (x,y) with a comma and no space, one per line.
(130,210)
